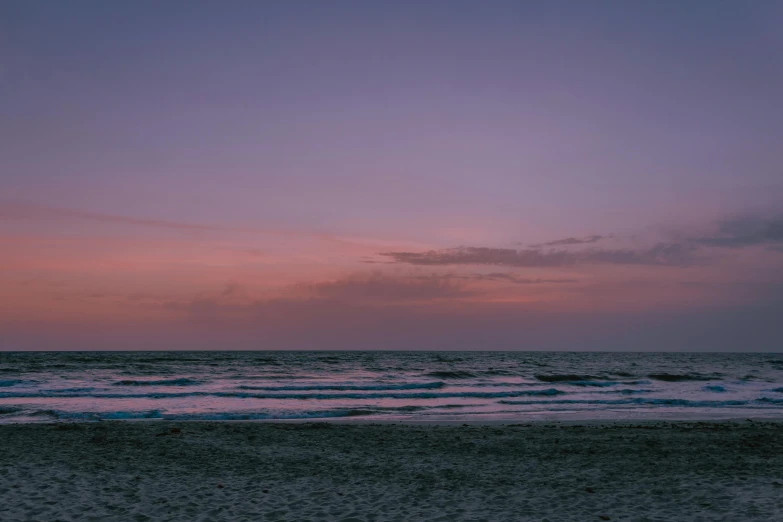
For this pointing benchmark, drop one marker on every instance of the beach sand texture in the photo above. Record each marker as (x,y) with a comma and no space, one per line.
(358,472)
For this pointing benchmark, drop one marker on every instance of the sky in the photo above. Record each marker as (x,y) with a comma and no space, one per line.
(432,175)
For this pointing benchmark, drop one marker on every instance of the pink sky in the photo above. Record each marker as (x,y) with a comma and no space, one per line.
(481,176)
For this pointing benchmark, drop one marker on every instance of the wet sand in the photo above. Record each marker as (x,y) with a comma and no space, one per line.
(355,472)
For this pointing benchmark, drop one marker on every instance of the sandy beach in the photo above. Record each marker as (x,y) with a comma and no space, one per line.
(361,472)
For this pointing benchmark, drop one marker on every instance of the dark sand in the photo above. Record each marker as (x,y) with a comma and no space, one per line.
(264,471)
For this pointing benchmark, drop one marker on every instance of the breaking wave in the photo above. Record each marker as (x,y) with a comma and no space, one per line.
(303,396)
(458,374)
(655,402)
(348,387)
(676,377)
(567,377)
(165,382)
(280,385)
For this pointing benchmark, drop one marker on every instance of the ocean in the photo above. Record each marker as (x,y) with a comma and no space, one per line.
(435,386)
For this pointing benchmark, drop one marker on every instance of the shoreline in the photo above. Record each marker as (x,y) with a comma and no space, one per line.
(424,422)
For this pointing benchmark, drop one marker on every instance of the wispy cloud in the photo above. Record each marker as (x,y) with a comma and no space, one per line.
(572,241)
(661,254)
(682,251)
(744,231)
(506,277)
(384,288)
(512,278)
(231,289)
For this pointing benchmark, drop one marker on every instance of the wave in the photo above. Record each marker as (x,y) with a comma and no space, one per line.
(239,415)
(497,371)
(54,392)
(643,401)
(4,410)
(214,416)
(301,396)
(716,389)
(106,415)
(567,377)
(754,378)
(43,394)
(628,391)
(770,400)
(166,382)
(8,384)
(348,387)
(372,411)
(264,362)
(602,384)
(402,386)
(456,374)
(677,377)
(270,376)
(145,358)
(585,381)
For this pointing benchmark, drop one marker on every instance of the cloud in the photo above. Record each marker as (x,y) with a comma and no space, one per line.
(373,290)
(511,278)
(382,288)
(231,289)
(572,241)
(736,232)
(506,278)
(744,231)
(730,232)
(662,254)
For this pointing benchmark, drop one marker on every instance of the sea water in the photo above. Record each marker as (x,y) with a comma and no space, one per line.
(436,386)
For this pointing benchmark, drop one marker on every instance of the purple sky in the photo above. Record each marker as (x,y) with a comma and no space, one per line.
(413,175)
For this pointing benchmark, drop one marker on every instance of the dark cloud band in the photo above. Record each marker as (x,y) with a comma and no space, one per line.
(662,254)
